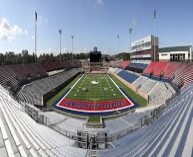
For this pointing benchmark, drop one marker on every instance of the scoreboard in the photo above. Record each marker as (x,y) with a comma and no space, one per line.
(95,56)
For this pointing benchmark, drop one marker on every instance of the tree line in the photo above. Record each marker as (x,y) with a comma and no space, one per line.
(24,57)
(123,55)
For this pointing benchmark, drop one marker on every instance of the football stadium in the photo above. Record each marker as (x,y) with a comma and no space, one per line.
(94,103)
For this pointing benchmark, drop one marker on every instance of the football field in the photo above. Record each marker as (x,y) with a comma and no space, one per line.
(95,87)
(95,93)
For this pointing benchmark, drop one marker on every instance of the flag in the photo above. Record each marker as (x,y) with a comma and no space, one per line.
(154,14)
(36,16)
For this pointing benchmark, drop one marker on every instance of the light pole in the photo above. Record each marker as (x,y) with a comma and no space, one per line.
(36,16)
(118,43)
(60,32)
(72,37)
(130,31)
(154,17)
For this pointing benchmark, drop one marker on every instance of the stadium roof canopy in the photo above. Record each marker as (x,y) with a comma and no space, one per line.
(175,48)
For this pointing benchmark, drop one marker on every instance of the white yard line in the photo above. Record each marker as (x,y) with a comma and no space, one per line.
(99,111)
(100,87)
(69,90)
(95,111)
(88,95)
(121,91)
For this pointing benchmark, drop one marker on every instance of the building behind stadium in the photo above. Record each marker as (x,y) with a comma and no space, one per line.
(145,49)
(177,53)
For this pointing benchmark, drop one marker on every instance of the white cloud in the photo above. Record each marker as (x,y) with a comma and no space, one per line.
(99,2)
(9,32)
(25,32)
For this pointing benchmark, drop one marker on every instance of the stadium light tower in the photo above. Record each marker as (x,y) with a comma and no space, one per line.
(118,43)
(72,37)
(154,18)
(60,33)
(36,16)
(130,32)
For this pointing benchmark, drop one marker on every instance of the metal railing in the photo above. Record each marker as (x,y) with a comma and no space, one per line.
(146,120)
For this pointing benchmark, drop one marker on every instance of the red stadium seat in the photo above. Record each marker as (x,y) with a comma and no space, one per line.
(171,69)
(160,68)
(150,68)
(124,64)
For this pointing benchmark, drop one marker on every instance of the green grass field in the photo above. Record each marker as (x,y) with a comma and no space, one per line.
(96,91)
(57,96)
(95,87)
(136,97)
(94,119)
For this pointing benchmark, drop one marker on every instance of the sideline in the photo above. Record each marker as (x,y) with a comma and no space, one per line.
(121,92)
(69,90)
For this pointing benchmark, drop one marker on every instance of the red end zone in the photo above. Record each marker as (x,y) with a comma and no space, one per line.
(91,106)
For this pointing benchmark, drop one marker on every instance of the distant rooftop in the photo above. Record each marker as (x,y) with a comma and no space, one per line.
(175,48)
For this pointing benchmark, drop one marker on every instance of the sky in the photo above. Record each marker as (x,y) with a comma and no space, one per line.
(92,23)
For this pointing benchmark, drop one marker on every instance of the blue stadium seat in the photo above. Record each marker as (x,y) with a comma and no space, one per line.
(138,65)
(129,77)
